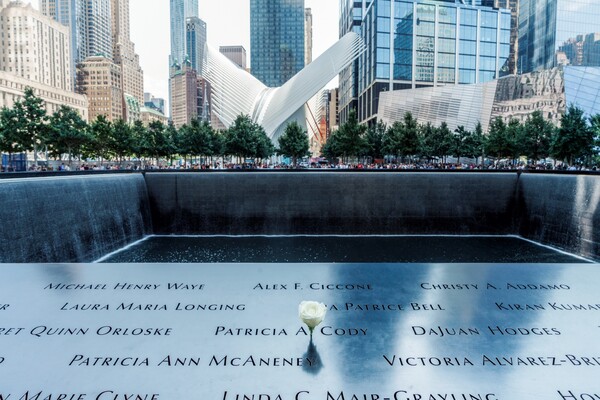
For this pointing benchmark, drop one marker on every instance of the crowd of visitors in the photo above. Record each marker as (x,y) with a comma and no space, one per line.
(136,166)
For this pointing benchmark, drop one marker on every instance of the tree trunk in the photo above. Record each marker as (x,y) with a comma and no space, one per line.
(35,156)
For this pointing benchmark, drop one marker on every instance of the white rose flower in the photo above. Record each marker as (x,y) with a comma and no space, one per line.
(312,313)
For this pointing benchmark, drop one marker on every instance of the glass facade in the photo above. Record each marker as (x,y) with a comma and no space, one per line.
(195,43)
(558,32)
(180,11)
(276,40)
(351,13)
(421,43)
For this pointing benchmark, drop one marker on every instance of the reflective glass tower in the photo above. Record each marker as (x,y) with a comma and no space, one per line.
(276,40)
(420,43)
(558,32)
(195,42)
(351,13)
(181,10)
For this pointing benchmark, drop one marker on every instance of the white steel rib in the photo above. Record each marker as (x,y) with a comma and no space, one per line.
(235,91)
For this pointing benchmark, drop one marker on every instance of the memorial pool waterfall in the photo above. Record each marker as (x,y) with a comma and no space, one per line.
(83,218)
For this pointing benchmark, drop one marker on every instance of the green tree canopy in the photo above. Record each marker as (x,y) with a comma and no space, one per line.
(9,133)
(575,139)
(375,140)
(101,132)
(264,146)
(536,136)
(293,143)
(409,136)
(460,143)
(240,138)
(497,143)
(351,137)
(69,132)
(475,143)
(331,148)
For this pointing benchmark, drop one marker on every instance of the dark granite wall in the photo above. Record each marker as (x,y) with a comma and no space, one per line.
(332,203)
(81,218)
(562,211)
(71,219)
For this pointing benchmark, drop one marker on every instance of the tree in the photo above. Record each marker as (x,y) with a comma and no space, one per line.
(443,141)
(240,138)
(101,132)
(574,140)
(475,143)
(174,141)
(536,136)
(514,148)
(33,119)
(217,143)
(391,140)
(375,137)
(294,142)
(331,148)
(351,140)
(408,136)
(158,141)
(460,143)
(122,141)
(595,127)
(264,146)
(9,123)
(427,141)
(141,143)
(497,139)
(69,132)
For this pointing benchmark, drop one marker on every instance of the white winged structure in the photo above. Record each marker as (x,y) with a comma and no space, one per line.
(235,91)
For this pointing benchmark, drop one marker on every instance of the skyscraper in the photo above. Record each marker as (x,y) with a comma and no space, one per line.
(308,36)
(547,25)
(237,54)
(99,78)
(124,52)
(90,26)
(38,48)
(181,10)
(415,44)
(195,38)
(276,40)
(351,12)
(513,6)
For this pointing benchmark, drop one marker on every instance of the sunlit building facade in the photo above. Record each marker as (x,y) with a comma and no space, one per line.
(99,78)
(308,36)
(558,32)
(90,26)
(34,46)
(125,56)
(237,54)
(276,40)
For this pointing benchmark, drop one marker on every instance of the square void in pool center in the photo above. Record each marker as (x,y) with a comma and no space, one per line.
(346,249)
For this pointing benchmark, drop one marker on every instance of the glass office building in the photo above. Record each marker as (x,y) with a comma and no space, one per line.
(195,43)
(351,12)
(276,40)
(180,11)
(558,32)
(424,43)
